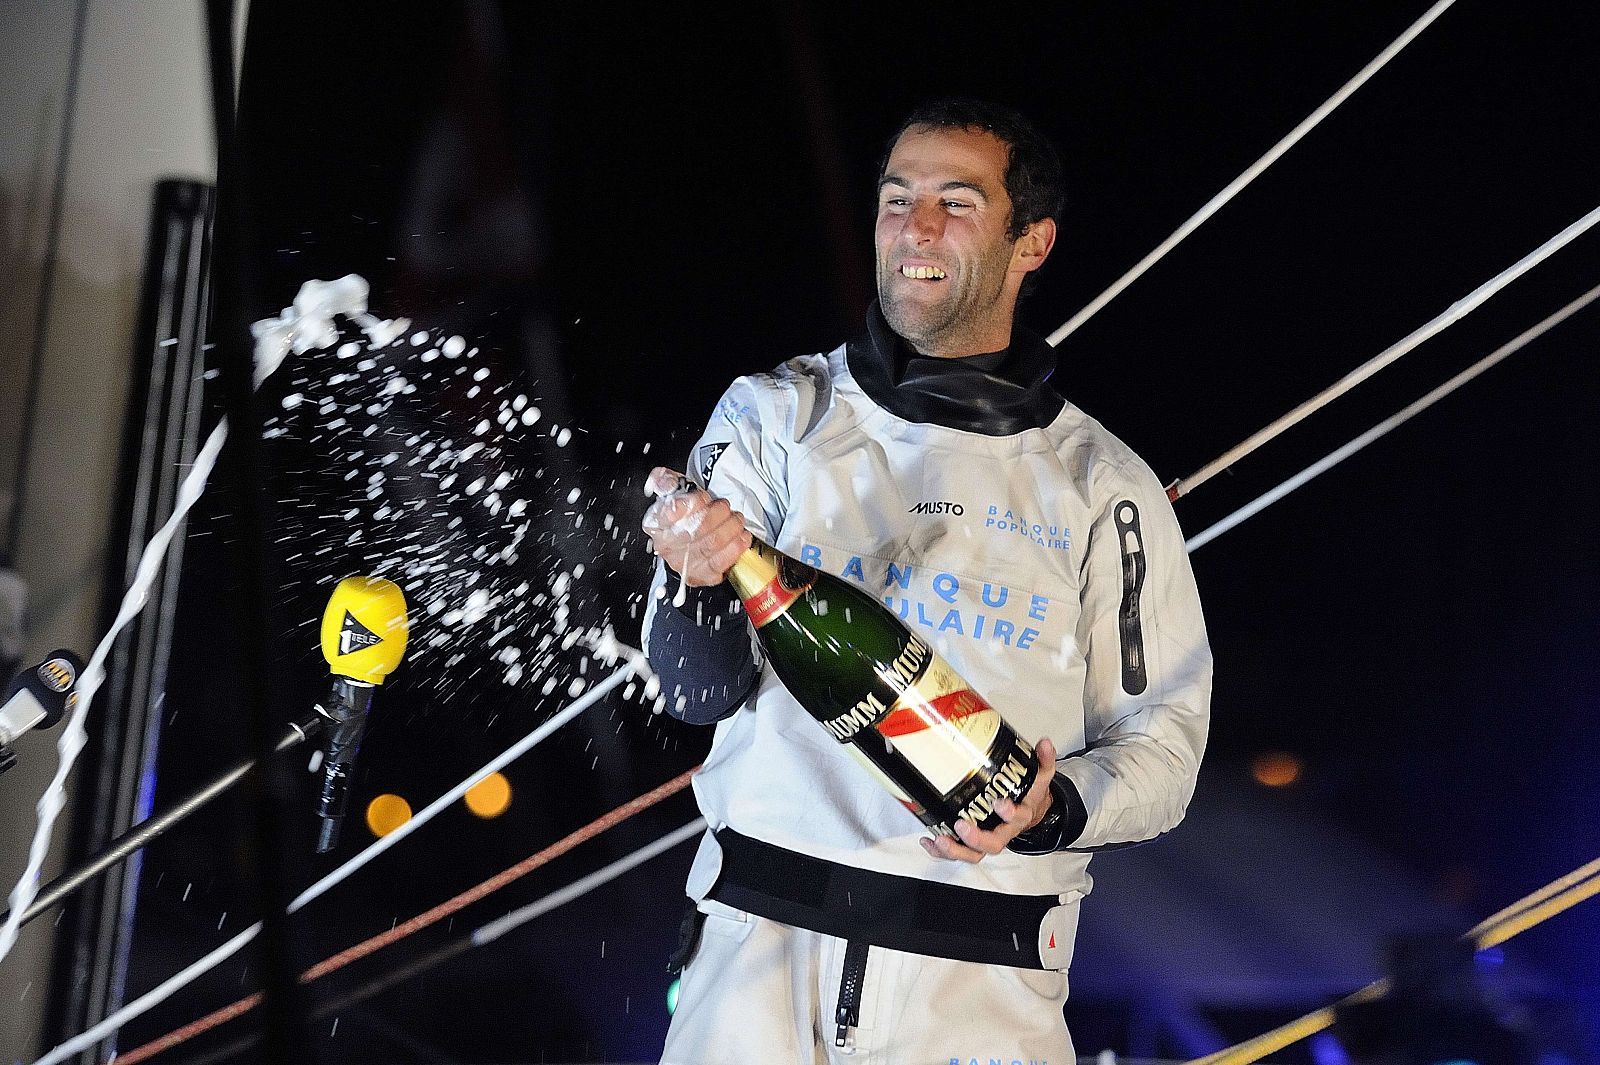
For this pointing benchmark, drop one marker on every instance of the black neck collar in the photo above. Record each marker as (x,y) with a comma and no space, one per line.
(997,394)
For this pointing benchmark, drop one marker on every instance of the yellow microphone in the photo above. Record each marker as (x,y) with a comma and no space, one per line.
(364,629)
(364,634)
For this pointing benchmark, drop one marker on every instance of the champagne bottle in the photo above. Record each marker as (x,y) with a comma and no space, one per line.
(879,689)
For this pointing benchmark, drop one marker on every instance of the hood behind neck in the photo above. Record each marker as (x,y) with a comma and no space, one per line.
(997,394)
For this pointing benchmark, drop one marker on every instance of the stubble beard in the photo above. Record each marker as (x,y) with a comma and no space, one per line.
(924,327)
(949,324)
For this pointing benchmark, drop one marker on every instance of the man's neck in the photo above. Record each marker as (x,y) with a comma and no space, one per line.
(960,343)
(985,344)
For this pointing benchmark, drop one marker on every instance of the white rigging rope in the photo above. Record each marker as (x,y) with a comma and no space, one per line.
(1233,188)
(184,977)
(1451,315)
(1405,414)
(307,324)
(73,735)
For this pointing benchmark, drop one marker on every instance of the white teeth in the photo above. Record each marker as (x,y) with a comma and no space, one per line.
(923,273)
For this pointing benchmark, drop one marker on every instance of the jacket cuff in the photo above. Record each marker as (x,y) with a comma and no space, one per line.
(700,602)
(1061,825)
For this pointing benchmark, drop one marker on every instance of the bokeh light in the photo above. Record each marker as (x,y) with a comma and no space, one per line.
(1276,769)
(490,796)
(385,813)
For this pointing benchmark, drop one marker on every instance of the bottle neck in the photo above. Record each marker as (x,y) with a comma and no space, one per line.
(767,581)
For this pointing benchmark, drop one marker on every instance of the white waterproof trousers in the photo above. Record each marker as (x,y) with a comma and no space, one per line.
(757,992)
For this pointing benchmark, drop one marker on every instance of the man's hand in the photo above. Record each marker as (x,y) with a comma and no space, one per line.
(697,536)
(1015,818)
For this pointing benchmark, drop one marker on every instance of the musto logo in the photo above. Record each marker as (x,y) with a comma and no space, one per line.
(1054,537)
(938,506)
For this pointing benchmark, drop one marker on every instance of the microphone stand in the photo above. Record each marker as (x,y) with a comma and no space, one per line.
(148,829)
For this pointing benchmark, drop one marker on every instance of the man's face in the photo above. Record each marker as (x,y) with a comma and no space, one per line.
(948,275)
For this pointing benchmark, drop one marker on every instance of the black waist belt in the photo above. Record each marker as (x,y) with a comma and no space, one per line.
(898,912)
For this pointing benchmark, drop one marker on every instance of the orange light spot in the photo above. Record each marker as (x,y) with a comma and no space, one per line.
(387,813)
(1276,769)
(490,796)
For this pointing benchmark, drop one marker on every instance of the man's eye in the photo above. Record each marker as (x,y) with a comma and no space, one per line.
(957,205)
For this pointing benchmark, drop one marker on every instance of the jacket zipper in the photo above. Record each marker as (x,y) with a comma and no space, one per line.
(1131,543)
(848,1014)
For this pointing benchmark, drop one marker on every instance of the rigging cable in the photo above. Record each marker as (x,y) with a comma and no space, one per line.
(433,958)
(1451,315)
(1405,414)
(1251,173)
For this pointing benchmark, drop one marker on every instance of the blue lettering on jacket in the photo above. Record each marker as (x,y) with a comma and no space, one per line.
(949,615)
(1054,537)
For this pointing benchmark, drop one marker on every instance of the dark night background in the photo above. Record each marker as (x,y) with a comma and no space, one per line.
(629,206)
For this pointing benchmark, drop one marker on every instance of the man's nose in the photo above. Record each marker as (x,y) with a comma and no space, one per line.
(926,222)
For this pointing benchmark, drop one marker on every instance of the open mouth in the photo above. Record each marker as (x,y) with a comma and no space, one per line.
(922,273)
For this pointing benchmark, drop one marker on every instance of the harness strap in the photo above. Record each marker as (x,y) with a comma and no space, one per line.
(885,910)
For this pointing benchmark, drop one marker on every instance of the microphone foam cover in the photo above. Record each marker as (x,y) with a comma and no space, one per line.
(364,629)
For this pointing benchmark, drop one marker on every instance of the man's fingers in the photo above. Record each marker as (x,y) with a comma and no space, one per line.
(1038,796)
(721,559)
(663,481)
(683,518)
(992,841)
(944,847)
(1017,817)
(699,537)
(666,516)
(704,545)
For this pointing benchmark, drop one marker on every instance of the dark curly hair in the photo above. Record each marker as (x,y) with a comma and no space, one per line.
(1033,167)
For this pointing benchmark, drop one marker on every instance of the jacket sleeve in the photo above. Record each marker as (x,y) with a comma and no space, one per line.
(703,652)
(1147,694)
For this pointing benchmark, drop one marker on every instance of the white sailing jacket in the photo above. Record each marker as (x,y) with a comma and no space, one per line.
(1046,566)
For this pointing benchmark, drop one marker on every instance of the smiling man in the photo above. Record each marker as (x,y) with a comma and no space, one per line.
(931,462)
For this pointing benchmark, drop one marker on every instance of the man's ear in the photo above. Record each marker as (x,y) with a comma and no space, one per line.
(1033,247)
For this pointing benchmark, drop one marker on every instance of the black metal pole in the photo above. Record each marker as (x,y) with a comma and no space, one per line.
(272,791)
(155,826)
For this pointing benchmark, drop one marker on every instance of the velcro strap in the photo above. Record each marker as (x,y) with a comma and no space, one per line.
(897,912)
